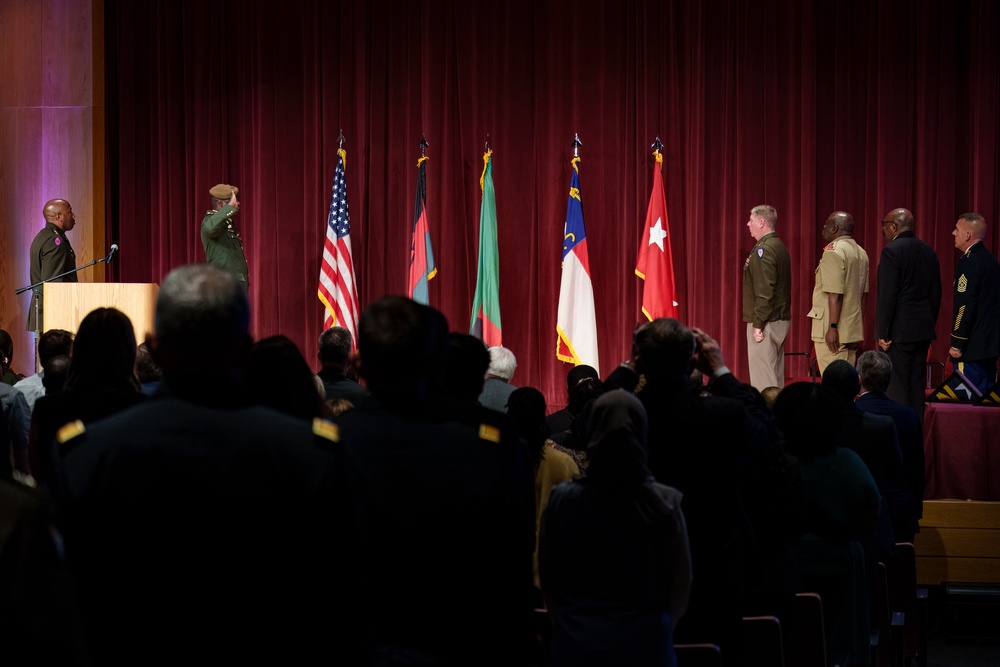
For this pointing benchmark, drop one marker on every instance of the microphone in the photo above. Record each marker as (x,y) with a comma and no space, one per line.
(111,255)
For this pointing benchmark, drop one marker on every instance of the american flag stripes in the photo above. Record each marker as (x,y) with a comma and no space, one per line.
(337,285)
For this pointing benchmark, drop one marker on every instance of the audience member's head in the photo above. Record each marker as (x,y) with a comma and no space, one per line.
(502,363)
(579,373)
(338,406)
(54,342)
(808,415)
(841,377)
(335,348)
(526,408)
(402,349)
(54,373)
(145,366)
(664,352)
(581,393)
(466,367)
(6,348)
(874,368)
(202,335)
(616,436)
(103,352)
(770,394)
(279,377)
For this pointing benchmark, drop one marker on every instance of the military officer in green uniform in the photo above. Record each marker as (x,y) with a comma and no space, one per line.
(767,299)
(223,245)
(51,254)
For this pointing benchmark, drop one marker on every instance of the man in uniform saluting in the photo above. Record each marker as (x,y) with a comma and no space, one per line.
(223,245)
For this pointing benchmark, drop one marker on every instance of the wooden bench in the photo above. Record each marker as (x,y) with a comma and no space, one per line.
(959,540)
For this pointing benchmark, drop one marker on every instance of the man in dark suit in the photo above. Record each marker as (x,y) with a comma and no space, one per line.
(200,529)
(335,357)
(875,369)
(443,505)
(874,439)
(975,336)
(698,444)
(909,299)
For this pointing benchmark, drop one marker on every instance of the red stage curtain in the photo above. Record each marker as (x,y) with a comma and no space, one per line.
(807,106)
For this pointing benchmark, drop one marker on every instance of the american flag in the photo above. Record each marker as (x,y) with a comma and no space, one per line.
(337,286)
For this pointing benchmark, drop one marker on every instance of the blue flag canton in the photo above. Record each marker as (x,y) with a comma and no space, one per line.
(339,218)
(574,231)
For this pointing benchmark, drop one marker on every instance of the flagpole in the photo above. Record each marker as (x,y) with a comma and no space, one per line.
(576,145)
(423,145)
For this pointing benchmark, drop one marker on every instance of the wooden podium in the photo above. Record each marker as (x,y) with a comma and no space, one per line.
(66,304)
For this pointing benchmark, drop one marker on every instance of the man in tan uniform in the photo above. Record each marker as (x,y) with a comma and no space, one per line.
(841,293)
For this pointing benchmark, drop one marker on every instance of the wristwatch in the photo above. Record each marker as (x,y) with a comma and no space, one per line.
(833,325)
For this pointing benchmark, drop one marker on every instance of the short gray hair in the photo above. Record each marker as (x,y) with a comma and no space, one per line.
(874,367)
(765,213)
(502,362)
(201,303)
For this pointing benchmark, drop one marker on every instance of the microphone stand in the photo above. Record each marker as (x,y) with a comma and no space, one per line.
(37,297)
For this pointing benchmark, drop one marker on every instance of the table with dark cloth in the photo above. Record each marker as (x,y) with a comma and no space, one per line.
(962,451)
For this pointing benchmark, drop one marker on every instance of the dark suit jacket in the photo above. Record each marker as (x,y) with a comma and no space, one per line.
(911,440)
(444,507)
(495,394)
(698,445)
(909,290)
(199,534)
(873,438)
(976,324)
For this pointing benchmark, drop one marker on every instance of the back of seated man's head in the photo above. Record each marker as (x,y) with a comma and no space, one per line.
(841,377)
(402,348)
(56,371)
(145,366)
(664,351)
(502,363)
(54,342)
(466,367)
(202,324)
(335,348)
(874,367)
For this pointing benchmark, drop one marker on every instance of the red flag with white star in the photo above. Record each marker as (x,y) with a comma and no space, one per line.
(656,264)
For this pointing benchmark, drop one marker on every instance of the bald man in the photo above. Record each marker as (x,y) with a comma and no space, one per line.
(51,253)
(841,293)
(907,306)
(975,334)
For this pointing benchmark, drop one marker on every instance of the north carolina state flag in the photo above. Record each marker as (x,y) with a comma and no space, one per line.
(656,263)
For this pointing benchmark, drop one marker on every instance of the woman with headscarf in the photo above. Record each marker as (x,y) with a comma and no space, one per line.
(614,561)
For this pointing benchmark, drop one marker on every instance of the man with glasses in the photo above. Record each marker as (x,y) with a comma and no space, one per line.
(906,310)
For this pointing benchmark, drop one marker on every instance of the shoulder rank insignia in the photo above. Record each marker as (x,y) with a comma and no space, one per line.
(326,430)
(489,432)
(70,431)
(828,246)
